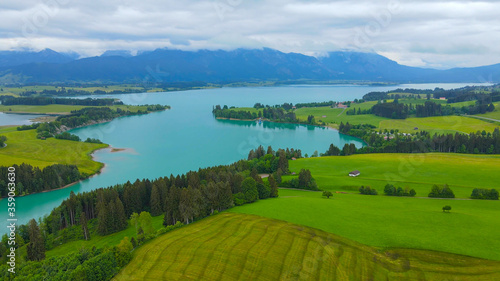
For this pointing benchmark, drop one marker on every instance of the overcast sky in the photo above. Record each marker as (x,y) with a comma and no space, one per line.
(439,34)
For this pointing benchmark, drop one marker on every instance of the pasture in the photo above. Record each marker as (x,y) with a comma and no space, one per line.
(232,246)
(471,228)
(24,147)
(462,172)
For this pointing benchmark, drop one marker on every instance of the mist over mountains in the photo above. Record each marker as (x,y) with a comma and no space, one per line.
(240,65)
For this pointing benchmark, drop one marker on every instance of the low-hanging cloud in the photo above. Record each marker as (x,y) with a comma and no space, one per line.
(422,33)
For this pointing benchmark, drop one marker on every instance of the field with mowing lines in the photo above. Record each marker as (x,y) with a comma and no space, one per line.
(462,172)
(440,125)
(471,228)
(24,147)
(245,247)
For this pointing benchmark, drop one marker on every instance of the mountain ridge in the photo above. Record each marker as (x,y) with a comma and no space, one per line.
(219,66)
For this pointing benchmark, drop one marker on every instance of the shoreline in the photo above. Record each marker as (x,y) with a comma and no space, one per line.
(91,154)
(316,125)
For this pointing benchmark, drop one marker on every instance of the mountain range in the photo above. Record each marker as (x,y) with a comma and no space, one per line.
(240,65)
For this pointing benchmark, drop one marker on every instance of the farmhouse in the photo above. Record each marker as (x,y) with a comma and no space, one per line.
(354,173)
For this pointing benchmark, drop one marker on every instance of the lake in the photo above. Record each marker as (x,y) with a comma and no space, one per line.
(188,137)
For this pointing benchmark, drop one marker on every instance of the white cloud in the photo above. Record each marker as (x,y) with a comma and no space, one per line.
(419,33)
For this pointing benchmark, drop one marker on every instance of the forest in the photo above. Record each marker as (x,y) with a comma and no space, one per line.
(277,114)
(421,142)
(467,93)
(33,179)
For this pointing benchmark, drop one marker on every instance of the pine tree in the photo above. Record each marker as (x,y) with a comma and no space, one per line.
(85,228)
(36,246)
(155,201)
(225,196)
(274,186)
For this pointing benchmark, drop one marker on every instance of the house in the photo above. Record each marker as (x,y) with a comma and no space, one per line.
(294,107)
(340,105)
(442,98)
(293,158)
(354,173)
(324,116)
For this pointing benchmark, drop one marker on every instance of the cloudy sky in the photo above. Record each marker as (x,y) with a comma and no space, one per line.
(439,34)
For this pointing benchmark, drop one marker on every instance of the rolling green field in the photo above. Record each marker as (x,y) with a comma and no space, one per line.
(232,246)
(24,147)
(471,228)
(60,108)
(462,172)
(439,124)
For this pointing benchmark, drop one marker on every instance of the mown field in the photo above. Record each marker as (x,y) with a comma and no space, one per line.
(232,246)
(462,172)
(24,147)
(471,228)
(60,108)
(439,124)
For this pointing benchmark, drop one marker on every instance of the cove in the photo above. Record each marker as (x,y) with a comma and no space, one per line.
(188,137)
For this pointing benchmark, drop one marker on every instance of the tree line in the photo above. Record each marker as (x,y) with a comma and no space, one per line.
(484,193)
(391,190)
(277,114)
(182,198)
(8,100)
(31,179)
(481,142)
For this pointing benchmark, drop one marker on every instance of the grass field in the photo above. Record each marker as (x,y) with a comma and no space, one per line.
(59,108)
(440,124)
(24,147)
(336,115)
(493,115)
(244,247)
(471,228)
(462,172)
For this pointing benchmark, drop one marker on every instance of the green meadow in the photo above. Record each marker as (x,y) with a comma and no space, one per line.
(439,124)
(462,172)
(60,108)
(24,147)
(471,228)
(231,246)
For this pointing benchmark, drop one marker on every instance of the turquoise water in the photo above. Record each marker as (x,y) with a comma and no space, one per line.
(17,119)
(188,137)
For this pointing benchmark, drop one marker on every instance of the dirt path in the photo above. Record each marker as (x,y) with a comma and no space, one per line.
(485,118)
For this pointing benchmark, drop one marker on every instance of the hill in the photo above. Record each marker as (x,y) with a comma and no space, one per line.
(245,247)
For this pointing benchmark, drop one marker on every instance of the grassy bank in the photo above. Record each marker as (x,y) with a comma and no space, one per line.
(243,247)
(24,147)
